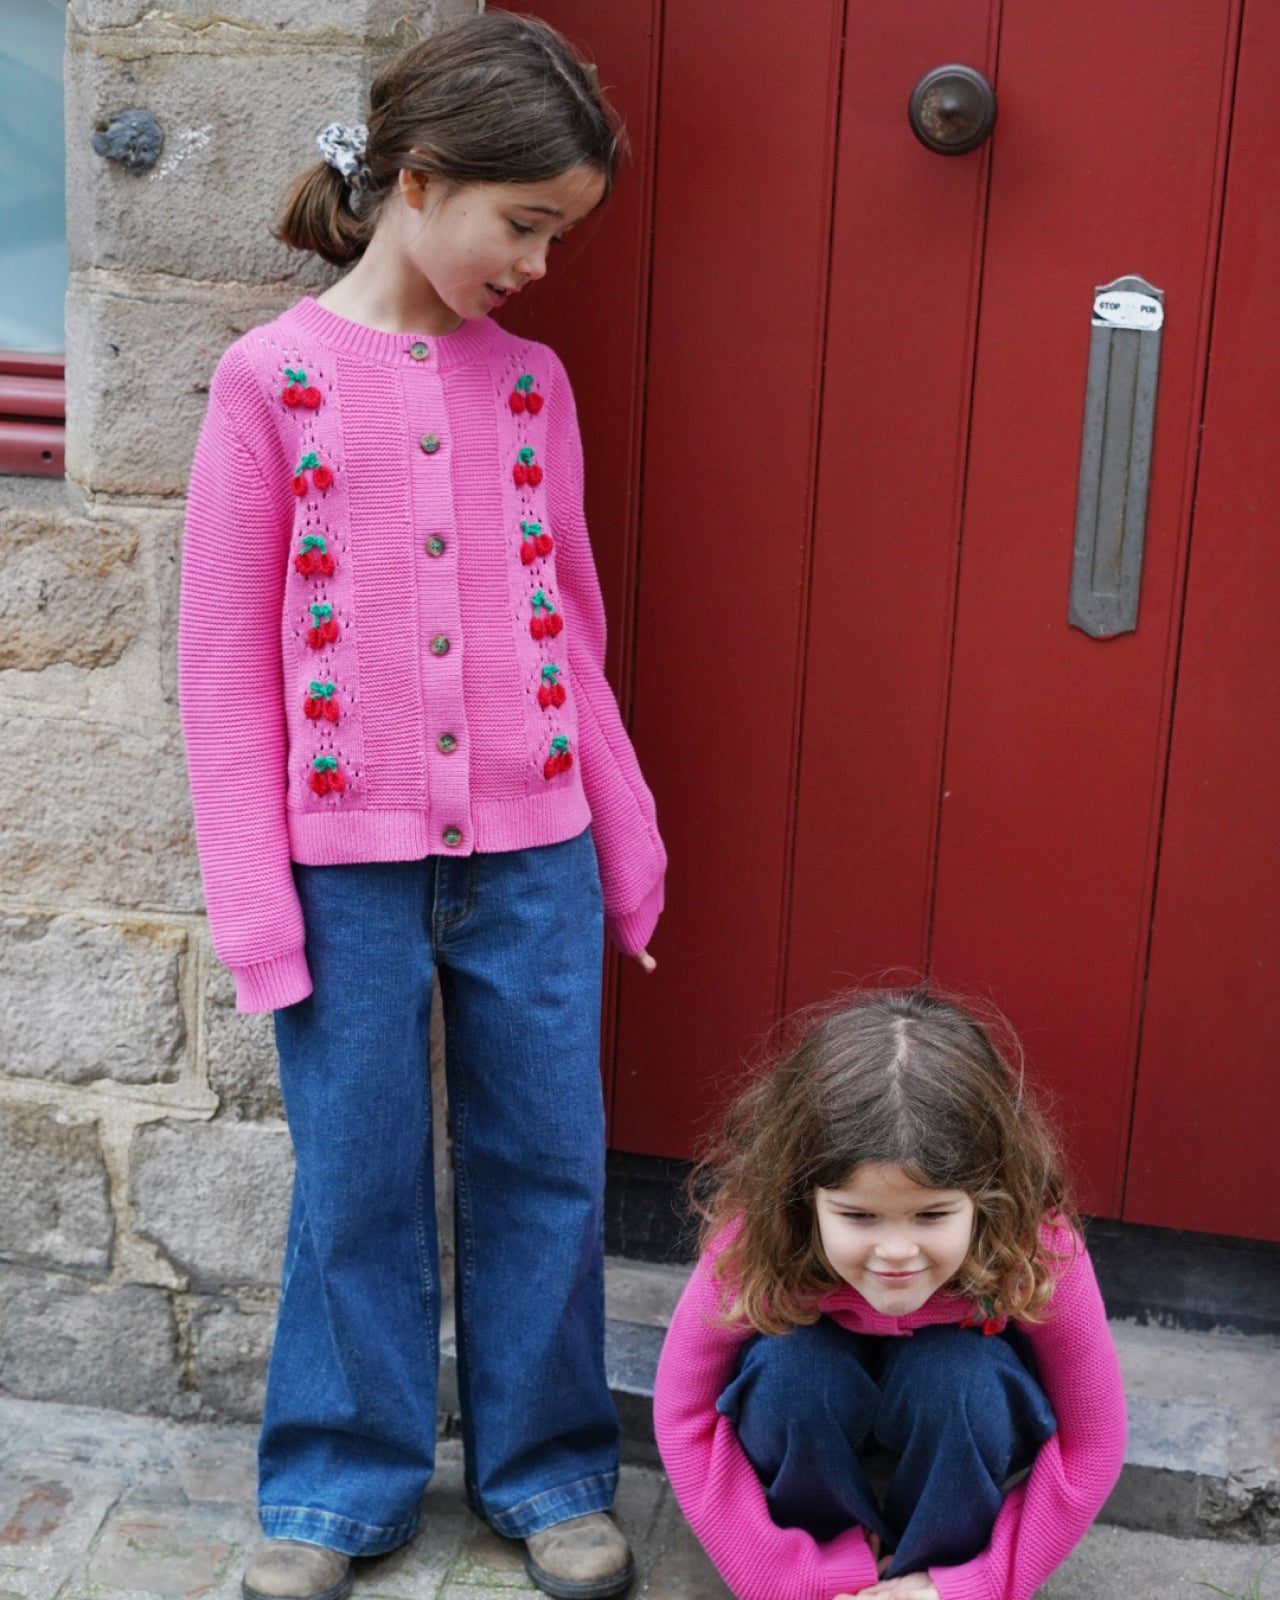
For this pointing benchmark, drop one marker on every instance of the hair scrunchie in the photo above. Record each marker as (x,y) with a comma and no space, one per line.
(343,148)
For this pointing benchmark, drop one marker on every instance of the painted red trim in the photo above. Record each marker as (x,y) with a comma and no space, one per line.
(32,414)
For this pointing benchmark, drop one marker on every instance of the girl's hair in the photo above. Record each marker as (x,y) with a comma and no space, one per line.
(904,1078)
(495,98)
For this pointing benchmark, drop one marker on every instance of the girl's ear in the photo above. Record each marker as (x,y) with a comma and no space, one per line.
(413,189)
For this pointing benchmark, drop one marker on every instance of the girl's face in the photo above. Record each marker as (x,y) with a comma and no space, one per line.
(891,1240)
(478,245)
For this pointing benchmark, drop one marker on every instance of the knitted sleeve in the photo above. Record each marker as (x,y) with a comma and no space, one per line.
(623,820)
(1045,1517)
(230,676)
(714,1483)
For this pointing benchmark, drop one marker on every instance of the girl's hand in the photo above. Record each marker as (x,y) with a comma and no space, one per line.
(910,1586)
(647,963)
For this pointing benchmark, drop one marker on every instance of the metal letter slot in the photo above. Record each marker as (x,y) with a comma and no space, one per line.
(1115,456)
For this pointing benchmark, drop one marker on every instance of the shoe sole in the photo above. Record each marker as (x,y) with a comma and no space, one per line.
(567,1589)
(343,1587)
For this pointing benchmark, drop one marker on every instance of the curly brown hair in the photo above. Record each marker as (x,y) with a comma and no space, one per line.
(904,1078)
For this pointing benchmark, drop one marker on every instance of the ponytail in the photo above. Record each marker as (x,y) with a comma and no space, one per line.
(318,216)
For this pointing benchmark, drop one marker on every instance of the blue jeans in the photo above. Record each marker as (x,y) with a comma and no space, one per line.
(348,1434)
(960,1412)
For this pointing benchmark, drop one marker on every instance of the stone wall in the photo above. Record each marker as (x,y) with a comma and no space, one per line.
(144,1164)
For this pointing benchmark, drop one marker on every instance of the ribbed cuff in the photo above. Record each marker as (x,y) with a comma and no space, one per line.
(633,930)
(269,985)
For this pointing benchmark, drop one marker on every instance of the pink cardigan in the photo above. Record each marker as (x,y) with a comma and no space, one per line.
(1041,1521)
(384,540)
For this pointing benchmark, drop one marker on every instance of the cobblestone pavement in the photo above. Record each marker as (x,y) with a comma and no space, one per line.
(95,1505)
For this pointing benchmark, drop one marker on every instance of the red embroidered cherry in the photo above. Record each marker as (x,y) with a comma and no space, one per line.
(326,776)
(321,703)
(545,620)
(534,403)
(523,397)
(299,484)
(322,477)
(545,544)
(314,558)
(534,542)
(298,392)
(550,693)
(559,760)
(323,629)
(535,476)
(526,470)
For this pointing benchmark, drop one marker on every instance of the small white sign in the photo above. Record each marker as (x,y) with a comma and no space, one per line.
(1126,308)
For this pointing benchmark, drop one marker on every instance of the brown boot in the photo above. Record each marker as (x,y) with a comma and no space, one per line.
(585,1558)
(287,1569)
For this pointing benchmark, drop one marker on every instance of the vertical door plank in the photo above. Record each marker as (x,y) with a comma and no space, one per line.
(906,265)
(742,226)
(1109,160)
(592,310)
(1208,1103)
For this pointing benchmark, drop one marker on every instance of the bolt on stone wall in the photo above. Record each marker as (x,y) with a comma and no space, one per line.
(144,1160)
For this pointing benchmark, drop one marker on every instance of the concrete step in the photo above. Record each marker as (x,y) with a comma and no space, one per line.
(1204,1412)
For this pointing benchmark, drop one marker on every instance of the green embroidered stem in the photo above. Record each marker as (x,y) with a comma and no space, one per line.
(296,377)
(531,530)
(560,746)
(539,602)
(322,691)
(320,612)
(311,459)
(526,456)
(549,673)
(314,541)
(325,764)
(525,382)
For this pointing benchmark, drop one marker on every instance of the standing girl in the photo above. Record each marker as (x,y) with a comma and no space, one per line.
(405,757)
(891,1264)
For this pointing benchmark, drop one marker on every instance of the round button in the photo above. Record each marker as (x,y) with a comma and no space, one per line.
(435,545)
(419,351)
(429,443)
(440,645)
(446,744)
(452,837)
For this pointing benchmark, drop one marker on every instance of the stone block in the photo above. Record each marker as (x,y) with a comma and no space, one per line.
(90,1000)
(54,1181)
(134,409)
(361,21)
(149,1548)
(215,1198)
(232,1348)
(237,128)
(93,1345)
(69,590)
(97,812)
(241,1055)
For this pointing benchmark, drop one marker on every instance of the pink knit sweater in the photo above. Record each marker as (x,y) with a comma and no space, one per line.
(1041,1521)
(392,639)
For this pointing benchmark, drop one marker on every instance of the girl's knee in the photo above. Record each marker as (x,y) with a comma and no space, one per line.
(944,1374)
(812,1370)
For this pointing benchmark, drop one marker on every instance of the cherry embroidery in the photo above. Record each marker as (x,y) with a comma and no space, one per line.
(523,398)
(534,542)
(546,621)
(323,629)
(326,776)
(559,760)
(984,1317)
(550,693)
(298,392)
(314,559)
(526,470)
(321,476)
(320,703)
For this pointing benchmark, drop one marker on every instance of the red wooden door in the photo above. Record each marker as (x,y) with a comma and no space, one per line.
(876,743)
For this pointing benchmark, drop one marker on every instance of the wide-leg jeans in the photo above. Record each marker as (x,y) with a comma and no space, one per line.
(958,1412)
(349,1428)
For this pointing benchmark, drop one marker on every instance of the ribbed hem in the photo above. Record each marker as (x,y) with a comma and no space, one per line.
(632,930)
(844,1565)
(970,1581)
(332,838)
(545,1510)
(269,985)
(335,1532)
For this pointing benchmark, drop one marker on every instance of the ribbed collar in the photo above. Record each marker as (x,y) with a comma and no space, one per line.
(473,341)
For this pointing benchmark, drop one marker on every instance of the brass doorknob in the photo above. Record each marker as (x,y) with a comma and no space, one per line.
(952,109)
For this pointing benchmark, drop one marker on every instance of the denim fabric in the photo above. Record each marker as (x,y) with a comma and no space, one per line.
(960,1412)
(349,1428)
